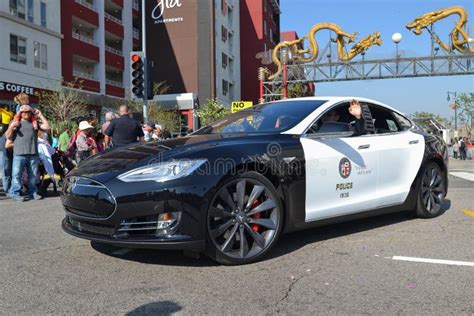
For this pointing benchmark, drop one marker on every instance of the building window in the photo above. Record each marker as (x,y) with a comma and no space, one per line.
(264,5)
(18,8)
(265,28)
(224,34)
(31,11)
(271,36)
(225,87)
(225,60)
(43,14)
(17,49)
(40,53)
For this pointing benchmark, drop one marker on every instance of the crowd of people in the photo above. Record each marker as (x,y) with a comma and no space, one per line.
(460,148)
(34,156)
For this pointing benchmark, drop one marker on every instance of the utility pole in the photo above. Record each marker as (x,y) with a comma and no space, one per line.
(145,61)
(455,108)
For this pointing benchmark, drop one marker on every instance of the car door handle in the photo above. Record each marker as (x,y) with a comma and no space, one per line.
(364,146)
(412,142)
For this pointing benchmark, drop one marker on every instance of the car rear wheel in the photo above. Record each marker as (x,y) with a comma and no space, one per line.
(431,192)
(244,219)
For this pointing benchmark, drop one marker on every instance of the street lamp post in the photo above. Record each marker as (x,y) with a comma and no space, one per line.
(455,108)
(397,38)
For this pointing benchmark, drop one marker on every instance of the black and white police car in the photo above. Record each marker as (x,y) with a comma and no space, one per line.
(232,188)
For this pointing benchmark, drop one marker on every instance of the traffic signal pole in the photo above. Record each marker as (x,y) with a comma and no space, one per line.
(145,62)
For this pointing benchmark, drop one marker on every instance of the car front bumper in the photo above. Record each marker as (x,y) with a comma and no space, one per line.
(127,215)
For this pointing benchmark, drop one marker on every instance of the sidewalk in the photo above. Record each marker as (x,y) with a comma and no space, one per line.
(464,165)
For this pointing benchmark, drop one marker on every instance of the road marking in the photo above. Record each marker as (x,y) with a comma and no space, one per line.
(469,212)
(122,251)
(438,261)
(463,175)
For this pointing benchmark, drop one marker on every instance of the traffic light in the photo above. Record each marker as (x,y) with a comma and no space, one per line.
(137,75)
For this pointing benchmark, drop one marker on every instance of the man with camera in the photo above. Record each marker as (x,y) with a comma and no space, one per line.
(22,136)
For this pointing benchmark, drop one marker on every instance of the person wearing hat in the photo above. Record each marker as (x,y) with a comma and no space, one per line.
(84,148)
(22,136)
(148,129)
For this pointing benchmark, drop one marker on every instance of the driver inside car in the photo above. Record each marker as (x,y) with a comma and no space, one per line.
(355,110)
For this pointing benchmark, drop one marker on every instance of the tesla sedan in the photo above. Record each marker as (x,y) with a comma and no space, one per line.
(232,188)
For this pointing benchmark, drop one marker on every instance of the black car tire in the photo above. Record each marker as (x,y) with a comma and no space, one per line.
(431,191)
(241,223)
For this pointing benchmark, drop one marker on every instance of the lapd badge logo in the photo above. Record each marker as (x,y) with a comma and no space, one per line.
(345,168)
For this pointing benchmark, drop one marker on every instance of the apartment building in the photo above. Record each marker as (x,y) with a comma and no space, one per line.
(31,34)
(98,38)
(227,51)
(259,34)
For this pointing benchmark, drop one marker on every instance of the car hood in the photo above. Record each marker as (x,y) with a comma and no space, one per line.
(103,167)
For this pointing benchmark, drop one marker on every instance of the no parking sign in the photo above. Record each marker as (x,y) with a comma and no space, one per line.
(240,105)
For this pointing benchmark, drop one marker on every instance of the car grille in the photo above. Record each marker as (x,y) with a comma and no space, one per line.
(87,198)
(86,227)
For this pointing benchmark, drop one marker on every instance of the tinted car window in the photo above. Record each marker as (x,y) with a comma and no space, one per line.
(384,121)
(404,123)
(264,118)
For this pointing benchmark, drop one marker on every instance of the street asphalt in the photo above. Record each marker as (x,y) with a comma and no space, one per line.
(340,269)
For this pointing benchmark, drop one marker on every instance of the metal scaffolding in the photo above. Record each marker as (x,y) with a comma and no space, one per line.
(406,67)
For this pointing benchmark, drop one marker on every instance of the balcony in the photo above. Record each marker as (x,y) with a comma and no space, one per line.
(114,50)
(114,83)
(113,18)
(84,39)
(85,47)
(87,81)
(114,88)
(86,4)
(114,58)
(85,11)
(79,74)
(113,25)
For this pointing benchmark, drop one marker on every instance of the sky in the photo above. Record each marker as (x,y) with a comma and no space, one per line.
(388,17)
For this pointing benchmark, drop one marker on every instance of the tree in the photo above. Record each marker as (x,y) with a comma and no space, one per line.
(211,111)
(169,119)
(64,104)
(160,87)
(465,104)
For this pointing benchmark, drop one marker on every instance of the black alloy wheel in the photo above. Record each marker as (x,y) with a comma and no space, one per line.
(244,219)
(432,191)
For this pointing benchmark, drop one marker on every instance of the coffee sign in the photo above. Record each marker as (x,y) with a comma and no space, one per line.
(16,88)
(163,6)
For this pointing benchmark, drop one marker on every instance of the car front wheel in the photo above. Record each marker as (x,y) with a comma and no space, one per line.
(244,219)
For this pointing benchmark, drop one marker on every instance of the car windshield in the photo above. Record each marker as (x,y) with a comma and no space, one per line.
(272,117)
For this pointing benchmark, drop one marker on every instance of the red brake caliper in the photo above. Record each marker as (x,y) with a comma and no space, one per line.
(256,227)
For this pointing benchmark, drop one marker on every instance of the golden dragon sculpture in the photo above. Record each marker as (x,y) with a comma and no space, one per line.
(311,53)
(459,38)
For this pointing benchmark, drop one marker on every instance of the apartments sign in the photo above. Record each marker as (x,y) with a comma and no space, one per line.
(163,6)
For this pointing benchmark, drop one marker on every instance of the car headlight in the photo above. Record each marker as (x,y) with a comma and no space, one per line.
(163,171)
